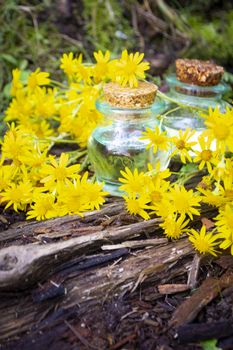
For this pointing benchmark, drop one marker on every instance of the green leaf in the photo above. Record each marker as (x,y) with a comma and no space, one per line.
(210,345)
(188,168)
(9,58)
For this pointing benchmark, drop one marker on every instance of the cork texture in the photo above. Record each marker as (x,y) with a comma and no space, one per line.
(125,97)
(202,73)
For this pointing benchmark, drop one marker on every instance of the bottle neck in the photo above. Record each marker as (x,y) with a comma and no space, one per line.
(195,97)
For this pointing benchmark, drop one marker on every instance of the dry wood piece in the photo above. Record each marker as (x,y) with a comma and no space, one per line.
(198,72)
(193,273)
(172,288)
(136,244)
(95,285)
(202,331)
(21,266)
(62,226)
(209,290)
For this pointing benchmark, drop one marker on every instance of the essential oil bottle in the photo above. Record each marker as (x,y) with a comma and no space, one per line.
(117,143)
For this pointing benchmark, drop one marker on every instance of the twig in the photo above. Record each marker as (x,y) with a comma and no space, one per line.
(80,337)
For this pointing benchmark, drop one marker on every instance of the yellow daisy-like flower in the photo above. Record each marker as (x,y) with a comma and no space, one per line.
(204,242)
(137,206)
(101,69)
(72,197)
(158,140)
(94,194)
(58,172)
(184,202)
(69,64)
(16,84)
(224,222)
(134,182)
(16,144)
(206,156)
(220,128)
(43,208)
(183,145)
(17,195)
(173,227)
(38,78)
(129,68)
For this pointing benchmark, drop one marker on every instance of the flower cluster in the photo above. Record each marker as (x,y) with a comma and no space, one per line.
(33,180)
(44,112)
(151,192)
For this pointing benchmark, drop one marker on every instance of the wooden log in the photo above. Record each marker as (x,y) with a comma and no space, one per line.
(65,225)
(20,314)
(21,266)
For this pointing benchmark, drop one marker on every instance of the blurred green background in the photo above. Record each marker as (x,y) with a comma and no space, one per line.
(36,33)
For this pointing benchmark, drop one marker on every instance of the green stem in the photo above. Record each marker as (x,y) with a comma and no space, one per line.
(84,163)
(58,141)
(76,156)
(57,83)
(181,105)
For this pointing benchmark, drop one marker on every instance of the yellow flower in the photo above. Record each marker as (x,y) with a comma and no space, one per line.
(20,109)
(38,78)
(129,69)
(7,173)
(93,192)
(225,227)
(157,191)
(173,227)
(220,128)
(16,83)
(16,144)
(185,202)
(157,139)
(72,197)
(69,64)
(157,174)
(17,195)
(212,198)
(58,172)
(44,102)
(134,182)
(43,208)
(164,207)
(101,69)
(206,156)
(136,206)
(204,242)
(183,145)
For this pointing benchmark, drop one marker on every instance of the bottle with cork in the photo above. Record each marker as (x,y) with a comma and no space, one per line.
(117,143)
(195,87)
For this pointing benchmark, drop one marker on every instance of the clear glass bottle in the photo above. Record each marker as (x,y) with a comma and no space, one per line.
(116,143)
(191,97)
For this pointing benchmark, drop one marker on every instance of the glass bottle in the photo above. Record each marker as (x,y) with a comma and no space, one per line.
(116,143)
(193,100)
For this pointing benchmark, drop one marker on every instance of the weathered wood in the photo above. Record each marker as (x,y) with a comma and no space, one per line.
(63,225)
(21,266)
(172,288)
(209,290)
(157,263)
(202,331)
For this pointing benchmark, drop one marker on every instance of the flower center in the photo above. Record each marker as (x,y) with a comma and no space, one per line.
(180,144)
(206,154)
(60,173)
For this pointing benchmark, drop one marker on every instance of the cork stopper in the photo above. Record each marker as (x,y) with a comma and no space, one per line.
(126,97)
(198,72)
